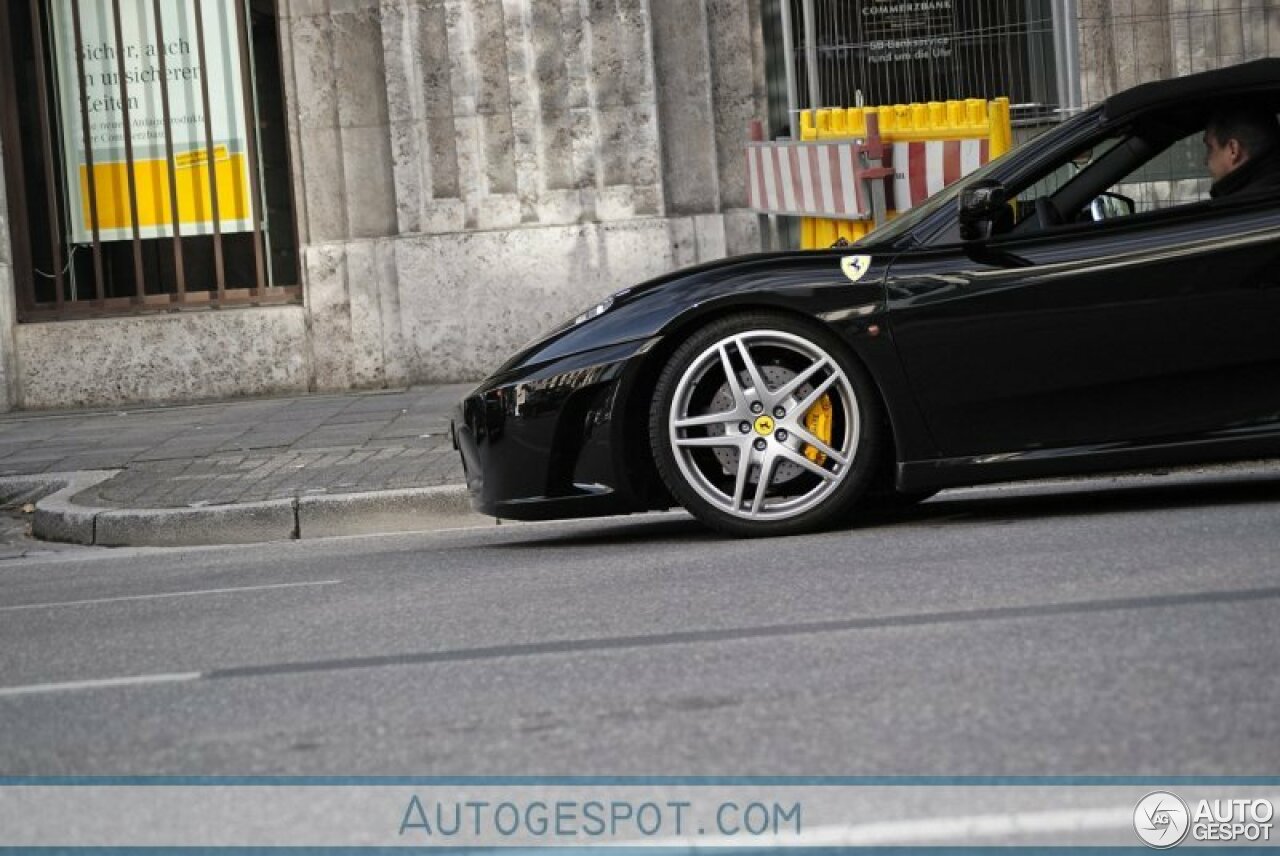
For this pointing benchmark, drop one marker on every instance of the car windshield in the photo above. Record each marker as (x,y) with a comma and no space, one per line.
(899,226)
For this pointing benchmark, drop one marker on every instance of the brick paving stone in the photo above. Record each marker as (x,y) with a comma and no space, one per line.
(312,413)
(411,425)
(400,399)
(254,441)
(359,457)
(247,411)
(29,466)
(376,442)
(347,417)
(281,433)
(335,436)
(91,461)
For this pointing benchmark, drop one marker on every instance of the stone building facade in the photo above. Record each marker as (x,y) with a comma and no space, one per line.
(467,173)
(1126,42)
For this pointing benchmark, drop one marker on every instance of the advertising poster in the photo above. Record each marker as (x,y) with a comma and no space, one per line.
(106,97)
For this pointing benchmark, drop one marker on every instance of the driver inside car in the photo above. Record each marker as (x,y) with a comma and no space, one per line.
(1242,152)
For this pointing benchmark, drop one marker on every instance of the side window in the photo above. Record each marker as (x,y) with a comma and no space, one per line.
(1038,205)
(1176,176)
(1104,185)
(1051,183)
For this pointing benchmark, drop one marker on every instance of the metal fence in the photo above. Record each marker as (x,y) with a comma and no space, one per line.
(111,210)
(845,53)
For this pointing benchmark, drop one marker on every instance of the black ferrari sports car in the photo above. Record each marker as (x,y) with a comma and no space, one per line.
(1082,304)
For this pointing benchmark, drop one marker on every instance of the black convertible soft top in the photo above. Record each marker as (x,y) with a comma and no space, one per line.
(1237,80)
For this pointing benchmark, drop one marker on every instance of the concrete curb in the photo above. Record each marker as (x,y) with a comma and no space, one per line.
(58,518)
(409,510)
(243,523)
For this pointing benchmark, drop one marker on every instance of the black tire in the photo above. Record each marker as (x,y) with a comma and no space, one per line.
(801,366)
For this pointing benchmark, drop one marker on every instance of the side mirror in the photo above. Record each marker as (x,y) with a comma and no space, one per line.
(980,204)
(1108,206)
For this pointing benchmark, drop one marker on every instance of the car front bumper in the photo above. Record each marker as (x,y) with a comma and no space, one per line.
(551,441)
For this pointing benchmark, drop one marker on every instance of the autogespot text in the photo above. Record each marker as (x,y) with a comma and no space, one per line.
(619,820)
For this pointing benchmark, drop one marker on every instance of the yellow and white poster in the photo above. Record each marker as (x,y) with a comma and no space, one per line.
(108,95)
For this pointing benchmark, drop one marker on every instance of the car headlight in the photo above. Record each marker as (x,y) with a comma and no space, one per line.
(594,312)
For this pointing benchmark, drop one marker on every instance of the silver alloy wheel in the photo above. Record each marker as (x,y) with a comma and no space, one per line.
(749,458)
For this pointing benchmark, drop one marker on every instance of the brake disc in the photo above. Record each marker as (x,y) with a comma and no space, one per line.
(817,420)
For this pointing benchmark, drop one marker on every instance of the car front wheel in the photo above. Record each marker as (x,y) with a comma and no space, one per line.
(764,424)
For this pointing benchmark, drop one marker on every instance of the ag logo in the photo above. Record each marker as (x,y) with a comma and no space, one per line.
(855,267)
(1161,820)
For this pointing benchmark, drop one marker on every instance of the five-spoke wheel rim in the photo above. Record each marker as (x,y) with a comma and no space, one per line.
(742,425)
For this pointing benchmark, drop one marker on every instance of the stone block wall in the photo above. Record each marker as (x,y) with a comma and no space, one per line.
(1127,42)
(510,113)
(182,356)
(470,172)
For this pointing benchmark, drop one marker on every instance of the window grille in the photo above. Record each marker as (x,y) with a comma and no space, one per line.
(146,156)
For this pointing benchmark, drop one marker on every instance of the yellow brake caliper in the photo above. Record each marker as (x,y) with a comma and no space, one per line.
(818,422)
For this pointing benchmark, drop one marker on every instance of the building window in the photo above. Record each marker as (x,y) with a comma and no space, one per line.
(146,156)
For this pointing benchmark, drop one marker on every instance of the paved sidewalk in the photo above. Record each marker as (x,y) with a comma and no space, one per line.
(241,453)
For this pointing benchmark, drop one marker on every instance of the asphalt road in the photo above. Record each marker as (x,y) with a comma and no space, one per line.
(1102,628)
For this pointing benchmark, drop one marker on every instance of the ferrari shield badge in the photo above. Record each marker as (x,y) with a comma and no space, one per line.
(855,267)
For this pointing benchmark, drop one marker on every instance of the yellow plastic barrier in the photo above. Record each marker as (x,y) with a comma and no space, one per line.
(808,225)
(972,118)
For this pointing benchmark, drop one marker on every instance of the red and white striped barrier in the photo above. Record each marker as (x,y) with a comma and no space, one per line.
(824,179)
(921,169)
(806,180)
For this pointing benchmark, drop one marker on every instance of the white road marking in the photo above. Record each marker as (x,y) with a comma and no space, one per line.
(101,683)
(980,826)
(955,830)
(952,830)
(163,595)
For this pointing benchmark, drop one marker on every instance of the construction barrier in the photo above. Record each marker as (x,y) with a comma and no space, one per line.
(911,150)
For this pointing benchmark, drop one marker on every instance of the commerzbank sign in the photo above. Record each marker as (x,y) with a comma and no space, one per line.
(130,72)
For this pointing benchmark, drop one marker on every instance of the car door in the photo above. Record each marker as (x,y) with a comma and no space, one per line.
(1155,327)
